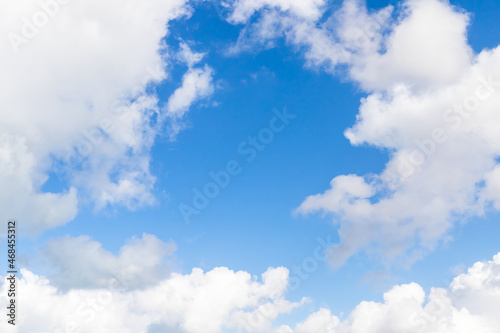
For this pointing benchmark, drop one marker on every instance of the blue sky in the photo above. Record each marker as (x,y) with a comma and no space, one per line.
(261,220)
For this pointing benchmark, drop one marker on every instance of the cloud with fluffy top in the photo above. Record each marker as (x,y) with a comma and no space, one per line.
(468,305)
(222,300)
(94,290)
(431,103)
(438,127)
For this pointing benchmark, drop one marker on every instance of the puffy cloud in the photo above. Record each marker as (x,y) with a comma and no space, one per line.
(96,291)
(468,305)
(427,47)
(321,321)
(478,290)
(222,300)
(77,102)
(442,167)
(431,104)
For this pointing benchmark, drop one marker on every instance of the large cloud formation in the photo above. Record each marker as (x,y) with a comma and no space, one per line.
(94,290)
(431,104)
(116,298)
(78,103)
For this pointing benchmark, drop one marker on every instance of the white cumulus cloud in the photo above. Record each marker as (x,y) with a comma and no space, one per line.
(468,305)
(94,290)
(222,300)
(431,104)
